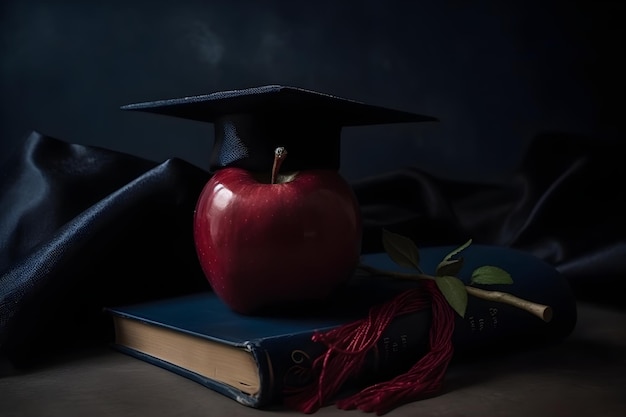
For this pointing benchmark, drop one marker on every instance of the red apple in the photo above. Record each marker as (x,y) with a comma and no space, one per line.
(263,244)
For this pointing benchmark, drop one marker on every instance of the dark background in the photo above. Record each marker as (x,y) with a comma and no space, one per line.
(497,74)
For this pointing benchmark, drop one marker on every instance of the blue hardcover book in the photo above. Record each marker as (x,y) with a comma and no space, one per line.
(256,359)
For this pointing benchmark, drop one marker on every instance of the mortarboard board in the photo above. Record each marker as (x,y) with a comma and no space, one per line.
(251,123)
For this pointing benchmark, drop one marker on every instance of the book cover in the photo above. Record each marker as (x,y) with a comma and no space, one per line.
(256,359)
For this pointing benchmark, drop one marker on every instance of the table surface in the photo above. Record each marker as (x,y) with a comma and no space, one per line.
(585,375)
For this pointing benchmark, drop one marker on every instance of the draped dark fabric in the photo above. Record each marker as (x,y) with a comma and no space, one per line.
(565,204)
(84,227)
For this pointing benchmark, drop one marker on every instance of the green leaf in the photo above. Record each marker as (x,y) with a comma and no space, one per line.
(401,249)
(454,291)
(457,250)
(490,275)
(449,267)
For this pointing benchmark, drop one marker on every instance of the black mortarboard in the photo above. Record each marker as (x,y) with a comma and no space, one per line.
(251,123)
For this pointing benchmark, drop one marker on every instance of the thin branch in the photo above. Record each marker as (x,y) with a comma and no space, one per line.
(544,312)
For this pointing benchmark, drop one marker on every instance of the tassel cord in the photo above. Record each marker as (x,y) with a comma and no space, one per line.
(425,378)
(348,345)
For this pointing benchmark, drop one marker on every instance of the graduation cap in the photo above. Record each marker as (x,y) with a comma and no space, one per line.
(251,123)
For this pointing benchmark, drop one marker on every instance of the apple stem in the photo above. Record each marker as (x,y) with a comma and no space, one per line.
(280,154)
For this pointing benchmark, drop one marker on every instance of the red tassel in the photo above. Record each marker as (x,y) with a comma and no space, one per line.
(348,346)
(424,379)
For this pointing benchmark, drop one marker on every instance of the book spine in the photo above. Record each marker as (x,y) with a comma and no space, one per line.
(286,363)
